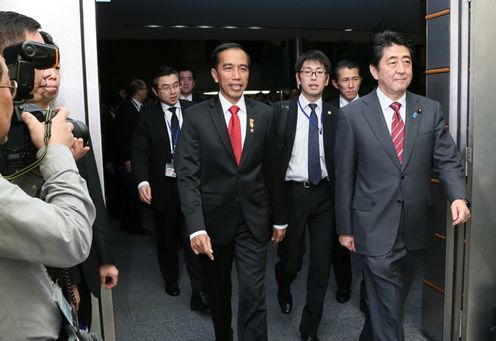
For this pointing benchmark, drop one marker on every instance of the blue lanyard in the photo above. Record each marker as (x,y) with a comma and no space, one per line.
(174,136)
(312,122)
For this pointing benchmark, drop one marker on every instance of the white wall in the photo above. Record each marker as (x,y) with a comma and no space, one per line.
(72,26)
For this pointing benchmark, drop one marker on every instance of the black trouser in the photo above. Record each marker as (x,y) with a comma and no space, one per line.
(250,256)
(341,262)
(310,207)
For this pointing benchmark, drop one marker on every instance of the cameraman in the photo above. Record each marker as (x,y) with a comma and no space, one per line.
(55,232)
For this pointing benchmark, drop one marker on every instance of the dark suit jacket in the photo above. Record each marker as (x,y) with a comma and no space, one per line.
(150,152)
(211,184)
(101,249)
(286,114)
(125,121)
(373,187)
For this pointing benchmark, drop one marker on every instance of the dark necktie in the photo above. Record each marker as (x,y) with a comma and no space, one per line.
(234,130)
(174,124)
(314,171)
(397,130)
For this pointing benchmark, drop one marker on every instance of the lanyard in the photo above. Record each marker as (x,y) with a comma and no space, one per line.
(175,135)
(312,122)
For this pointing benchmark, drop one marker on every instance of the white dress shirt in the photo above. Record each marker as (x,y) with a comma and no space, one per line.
(137,104)
(343,102)
(187,98)
(298,164)
(388,112)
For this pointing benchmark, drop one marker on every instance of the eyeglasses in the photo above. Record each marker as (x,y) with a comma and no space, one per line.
(12,87)
(309,73)
(168,88)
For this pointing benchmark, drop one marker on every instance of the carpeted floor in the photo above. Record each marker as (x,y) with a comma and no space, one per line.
(143,311)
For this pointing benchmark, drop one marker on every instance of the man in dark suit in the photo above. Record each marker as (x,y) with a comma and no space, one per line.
(346,78)
(188,82)
(388,144)
(125,122)
(157,131)
(231,193)
(306,136)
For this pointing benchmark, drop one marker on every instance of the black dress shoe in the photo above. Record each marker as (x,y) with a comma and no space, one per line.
(305,337)
(285,302)
(199,302)
(364,305)
(343,295)
(172,289)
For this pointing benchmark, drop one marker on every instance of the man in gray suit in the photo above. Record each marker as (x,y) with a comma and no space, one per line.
(387,145)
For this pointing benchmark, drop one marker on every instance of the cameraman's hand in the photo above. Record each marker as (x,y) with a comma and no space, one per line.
(61,129)
(78,148)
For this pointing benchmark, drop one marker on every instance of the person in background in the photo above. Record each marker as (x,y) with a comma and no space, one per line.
(187,81)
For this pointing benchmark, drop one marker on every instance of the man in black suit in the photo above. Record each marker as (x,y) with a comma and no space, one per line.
(125,122)
(346,78)
(158,128)
(188,82)
(231,193)
(388,144)
(306,136)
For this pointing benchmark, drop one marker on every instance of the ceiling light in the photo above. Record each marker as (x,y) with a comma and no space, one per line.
(230,27)
(348,29)
(204,26)
(255,28)
(179,26)
(103,0)
(153,26)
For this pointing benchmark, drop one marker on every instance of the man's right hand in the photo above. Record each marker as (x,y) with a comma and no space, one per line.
(348,241)
(61,132)
(145,194)
(201,244)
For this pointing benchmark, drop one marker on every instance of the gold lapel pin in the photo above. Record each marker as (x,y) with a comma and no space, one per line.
(329,113)
(252,125)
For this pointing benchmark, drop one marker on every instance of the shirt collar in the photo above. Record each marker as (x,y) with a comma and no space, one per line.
(304,102)
(166,107)
(385,101)
(137,103)
(226,105)
(343,102)
(187,98)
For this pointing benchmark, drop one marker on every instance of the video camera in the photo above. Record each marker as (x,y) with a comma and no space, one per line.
(22,59)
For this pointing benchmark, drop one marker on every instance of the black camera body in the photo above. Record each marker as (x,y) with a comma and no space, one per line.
(22,59)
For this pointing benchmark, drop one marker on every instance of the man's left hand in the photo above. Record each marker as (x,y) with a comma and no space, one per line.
(459,211)
(278,235)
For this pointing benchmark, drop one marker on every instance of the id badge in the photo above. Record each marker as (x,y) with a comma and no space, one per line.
(170,172)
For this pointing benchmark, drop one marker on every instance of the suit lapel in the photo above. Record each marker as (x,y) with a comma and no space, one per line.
(217,117)
(159,122)
(292,117)
(251,121)
(412,125)
(375,117)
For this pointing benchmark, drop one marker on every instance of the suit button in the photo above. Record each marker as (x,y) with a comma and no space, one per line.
(403,177)
(399,201)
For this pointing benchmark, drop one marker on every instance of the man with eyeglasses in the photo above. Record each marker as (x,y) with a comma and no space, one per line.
(306,135)
(158,129)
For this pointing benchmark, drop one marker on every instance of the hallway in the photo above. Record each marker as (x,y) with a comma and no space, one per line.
(143,311)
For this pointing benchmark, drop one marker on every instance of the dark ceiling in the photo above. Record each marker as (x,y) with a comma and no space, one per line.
(269,20)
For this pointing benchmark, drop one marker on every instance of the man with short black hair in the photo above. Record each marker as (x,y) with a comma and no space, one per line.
(187,82)
(158,129)
(306,135)
(388,144)
(231,193)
